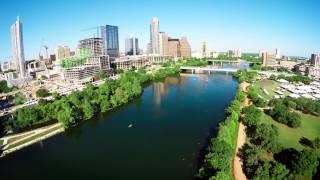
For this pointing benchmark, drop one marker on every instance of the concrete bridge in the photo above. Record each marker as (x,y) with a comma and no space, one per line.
(207,69)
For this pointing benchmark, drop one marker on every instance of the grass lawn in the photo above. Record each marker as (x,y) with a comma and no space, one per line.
(1,142)
(269,86)
(289,137)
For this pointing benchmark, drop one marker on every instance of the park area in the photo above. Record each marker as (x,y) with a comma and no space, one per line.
(266,88)
(294,137)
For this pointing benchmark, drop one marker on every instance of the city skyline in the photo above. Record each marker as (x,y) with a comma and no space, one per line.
(224,25)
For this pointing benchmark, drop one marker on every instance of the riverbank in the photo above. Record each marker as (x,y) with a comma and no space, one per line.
(237,162)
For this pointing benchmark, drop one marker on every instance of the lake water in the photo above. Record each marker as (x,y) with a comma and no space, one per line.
(171,124)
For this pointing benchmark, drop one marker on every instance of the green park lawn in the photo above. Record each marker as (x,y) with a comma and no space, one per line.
(269,86)
(289,137)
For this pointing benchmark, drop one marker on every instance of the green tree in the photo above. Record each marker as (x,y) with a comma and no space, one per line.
(305,163)
(42,92)
(87,109)
(19,98)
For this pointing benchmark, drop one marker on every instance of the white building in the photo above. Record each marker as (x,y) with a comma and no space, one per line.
(278,55)
(154,36)
(17,47)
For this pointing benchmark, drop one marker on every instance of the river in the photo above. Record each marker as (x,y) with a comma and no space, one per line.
(171,124)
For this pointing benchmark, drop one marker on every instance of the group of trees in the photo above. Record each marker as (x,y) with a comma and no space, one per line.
(295,78)
(82,105)
(253,94)
(4,87)
(263,139)
(282,114)
(19,98)
(195,62)
(42,92)
(218,160)
(305,105)
(244,75)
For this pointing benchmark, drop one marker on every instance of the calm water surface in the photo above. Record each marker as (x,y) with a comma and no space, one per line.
(171,124)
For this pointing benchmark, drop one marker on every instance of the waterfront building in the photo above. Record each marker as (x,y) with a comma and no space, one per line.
(154,35)
(17,47)
(110,37)
(132,46)
(139,61)
(163,43)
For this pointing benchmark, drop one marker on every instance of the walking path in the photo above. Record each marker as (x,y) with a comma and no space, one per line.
(22,140)
(237,163)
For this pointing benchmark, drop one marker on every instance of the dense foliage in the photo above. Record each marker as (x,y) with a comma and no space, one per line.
(282,114)
(218,160)
(305,105)
(195,62)
(296,78)
(71,109)
(253,94)
(19,98)
(244,75)
(42,92)
(4,87)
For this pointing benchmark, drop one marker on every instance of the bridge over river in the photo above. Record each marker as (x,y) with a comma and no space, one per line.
(206,69)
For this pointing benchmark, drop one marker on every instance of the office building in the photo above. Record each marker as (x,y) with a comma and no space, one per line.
(268,59)
(139,61)
(163,43)
(132,46)
(278,55)
(314,60)
(17,47)
(185,48)
(173,47)
(110,36)
(154,36)
(204,49)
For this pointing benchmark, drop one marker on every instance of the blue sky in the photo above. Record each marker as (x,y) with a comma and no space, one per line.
(291,25)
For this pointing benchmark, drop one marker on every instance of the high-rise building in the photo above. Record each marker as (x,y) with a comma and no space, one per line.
(17,47)
(173,47)
(264,55)
(278,55)
(154,35)
(315,60)
(204,49)
(163,43)
(185,48)
(110,36)
(132,46)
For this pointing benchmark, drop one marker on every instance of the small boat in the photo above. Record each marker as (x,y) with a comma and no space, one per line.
(130,126)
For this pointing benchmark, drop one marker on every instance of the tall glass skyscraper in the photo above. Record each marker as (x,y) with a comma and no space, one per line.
(132,46)
(17,47)
(154,36)
(110,37)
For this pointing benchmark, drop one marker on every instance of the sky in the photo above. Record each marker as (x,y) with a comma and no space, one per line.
(251,25)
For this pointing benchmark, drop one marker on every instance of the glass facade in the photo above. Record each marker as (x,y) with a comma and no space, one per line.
(111,40)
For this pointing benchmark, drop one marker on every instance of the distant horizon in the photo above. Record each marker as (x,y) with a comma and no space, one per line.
(225,25)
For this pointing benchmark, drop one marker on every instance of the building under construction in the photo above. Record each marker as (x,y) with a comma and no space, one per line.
(90,60)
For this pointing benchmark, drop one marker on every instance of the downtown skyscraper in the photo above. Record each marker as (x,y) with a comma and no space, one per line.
(110,36)
(154,36)
(17,47)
